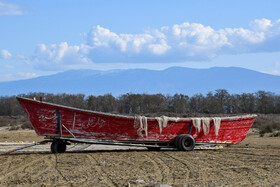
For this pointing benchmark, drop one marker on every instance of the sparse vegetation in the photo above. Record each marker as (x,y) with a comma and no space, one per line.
(13,128)
(275,134)
(26,125)
(15,122)
(265,129)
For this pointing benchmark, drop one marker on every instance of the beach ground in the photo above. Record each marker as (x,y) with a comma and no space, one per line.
(254,162)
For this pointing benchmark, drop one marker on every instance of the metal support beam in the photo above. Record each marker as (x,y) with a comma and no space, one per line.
(68,131)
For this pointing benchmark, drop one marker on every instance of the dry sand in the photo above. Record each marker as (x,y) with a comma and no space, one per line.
(254,162)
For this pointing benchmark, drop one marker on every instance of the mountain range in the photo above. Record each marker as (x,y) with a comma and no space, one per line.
(173,80)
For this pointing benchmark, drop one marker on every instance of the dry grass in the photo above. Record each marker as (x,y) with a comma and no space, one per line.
(267,120)
(15,122)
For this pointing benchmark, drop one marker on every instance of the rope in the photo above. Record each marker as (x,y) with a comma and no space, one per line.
(163,121)
(141,123)
(206,125)
(197,123)
(217,124)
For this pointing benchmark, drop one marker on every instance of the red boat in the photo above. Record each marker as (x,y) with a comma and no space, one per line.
(62,124)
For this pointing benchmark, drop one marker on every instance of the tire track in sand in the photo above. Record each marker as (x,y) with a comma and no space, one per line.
(20,168)
(163,170)
(190,171)
(244,163)
(56,167)
(49,164)
(100,170)
(7,164)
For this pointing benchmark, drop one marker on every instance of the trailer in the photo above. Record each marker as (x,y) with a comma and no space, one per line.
(62,125)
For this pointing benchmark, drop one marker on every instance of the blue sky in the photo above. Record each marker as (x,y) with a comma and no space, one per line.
(44,37)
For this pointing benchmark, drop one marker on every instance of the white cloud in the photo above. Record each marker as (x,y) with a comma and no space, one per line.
(5,54)
(181,42)
(8,9)
(100,37)
(159,49)
(177,43)
(56,57)
(261,24)
(242,36)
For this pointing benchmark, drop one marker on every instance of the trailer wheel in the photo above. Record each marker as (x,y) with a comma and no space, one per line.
(58,147)
(153,148)
(52,147)
(185,142)
(177,142)
(61,147)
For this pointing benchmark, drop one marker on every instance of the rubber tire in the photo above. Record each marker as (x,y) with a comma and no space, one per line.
(154,148)
(61,147)
(186,143)
(58,147)
(52,147)
(177,140)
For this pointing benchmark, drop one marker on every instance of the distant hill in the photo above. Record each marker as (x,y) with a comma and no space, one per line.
(169,81)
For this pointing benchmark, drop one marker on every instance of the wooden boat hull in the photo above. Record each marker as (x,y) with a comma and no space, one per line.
(55,120)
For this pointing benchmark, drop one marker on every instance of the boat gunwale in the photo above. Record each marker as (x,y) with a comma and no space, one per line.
(224,118)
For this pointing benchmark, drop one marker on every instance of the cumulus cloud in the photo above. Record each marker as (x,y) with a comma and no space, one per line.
(8,9)
(261,24)
(56,57)
(177,43)
(182,42)
(5,54)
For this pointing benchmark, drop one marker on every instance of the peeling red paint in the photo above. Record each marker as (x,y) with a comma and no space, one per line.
(89,124)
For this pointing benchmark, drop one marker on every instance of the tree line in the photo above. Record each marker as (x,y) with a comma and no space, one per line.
(219,102)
